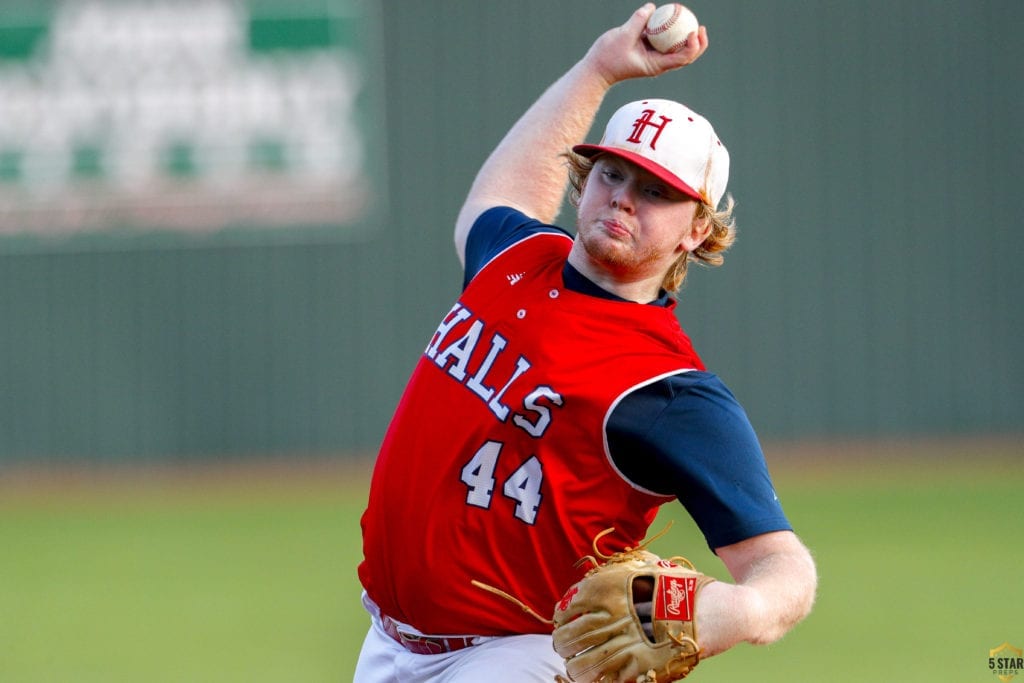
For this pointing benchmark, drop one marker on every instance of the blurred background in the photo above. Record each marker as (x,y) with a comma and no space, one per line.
(225,231)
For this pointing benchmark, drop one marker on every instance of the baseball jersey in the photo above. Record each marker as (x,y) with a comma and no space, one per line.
(527,428)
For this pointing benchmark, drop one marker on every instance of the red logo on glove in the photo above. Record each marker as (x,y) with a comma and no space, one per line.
(674,601)
(563,604)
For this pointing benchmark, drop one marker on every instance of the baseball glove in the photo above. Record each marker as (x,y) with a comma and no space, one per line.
(630,619)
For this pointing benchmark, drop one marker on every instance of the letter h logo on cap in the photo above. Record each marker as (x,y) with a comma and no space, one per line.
(641,124)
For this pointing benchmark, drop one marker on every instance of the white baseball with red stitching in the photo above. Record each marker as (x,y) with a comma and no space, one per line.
(669,26)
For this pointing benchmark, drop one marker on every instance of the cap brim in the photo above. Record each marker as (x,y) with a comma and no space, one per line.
(643,162)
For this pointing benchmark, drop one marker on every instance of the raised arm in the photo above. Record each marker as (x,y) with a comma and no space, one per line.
(525,171)
(776,582)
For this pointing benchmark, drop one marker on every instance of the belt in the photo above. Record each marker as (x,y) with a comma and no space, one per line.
(425,645)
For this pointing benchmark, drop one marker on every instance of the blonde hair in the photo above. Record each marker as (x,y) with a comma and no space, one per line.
(709,253)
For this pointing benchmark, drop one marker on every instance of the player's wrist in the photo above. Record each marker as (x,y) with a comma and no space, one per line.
(728,614)
(592,71)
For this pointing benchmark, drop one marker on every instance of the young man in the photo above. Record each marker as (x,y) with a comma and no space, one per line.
(560,398)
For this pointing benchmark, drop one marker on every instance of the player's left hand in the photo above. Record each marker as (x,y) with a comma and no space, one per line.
(631,619)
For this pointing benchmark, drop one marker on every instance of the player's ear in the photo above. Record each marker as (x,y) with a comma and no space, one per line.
(694,236)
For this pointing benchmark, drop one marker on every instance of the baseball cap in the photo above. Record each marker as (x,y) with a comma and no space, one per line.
(673,142)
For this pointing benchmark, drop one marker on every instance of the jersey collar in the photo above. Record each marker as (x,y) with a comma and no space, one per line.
(575,281)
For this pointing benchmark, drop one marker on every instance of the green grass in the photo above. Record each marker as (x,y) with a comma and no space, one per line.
(253,579)
(250,582)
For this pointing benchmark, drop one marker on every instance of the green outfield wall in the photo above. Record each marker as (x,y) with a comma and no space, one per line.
(248,257)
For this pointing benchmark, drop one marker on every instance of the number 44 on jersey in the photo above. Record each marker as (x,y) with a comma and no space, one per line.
(522,486)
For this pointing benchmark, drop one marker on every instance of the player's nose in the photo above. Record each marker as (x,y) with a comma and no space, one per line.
(623,197)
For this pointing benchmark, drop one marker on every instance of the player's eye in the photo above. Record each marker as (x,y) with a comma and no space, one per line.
(611,174)
(657,191)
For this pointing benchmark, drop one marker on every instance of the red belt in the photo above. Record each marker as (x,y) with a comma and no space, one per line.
(425,645)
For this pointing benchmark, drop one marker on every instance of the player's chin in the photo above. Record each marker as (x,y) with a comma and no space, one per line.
(616,252)
(608,255)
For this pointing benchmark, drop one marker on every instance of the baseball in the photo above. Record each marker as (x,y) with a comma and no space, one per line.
(668,27)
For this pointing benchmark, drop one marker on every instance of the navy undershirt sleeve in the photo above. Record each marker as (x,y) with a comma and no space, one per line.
(687,436)
(494,231)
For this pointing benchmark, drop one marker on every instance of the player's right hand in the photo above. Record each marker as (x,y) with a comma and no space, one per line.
(622,53)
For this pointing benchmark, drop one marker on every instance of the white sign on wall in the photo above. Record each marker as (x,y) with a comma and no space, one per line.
(128,116)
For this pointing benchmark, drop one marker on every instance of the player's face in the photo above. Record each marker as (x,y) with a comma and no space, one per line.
(632,224)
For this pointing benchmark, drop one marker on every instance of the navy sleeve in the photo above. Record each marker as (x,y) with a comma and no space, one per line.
(687,436)
(494,231)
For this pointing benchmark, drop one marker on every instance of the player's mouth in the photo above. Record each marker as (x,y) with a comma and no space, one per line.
(616,229)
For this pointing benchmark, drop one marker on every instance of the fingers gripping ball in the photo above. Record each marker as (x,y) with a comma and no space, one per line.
(630,619)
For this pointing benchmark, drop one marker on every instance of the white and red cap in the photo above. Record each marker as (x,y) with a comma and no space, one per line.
(676,144)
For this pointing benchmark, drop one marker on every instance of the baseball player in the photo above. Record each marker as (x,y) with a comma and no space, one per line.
(559,398)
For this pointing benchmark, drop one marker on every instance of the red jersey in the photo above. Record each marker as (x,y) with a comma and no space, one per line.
(495,466)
